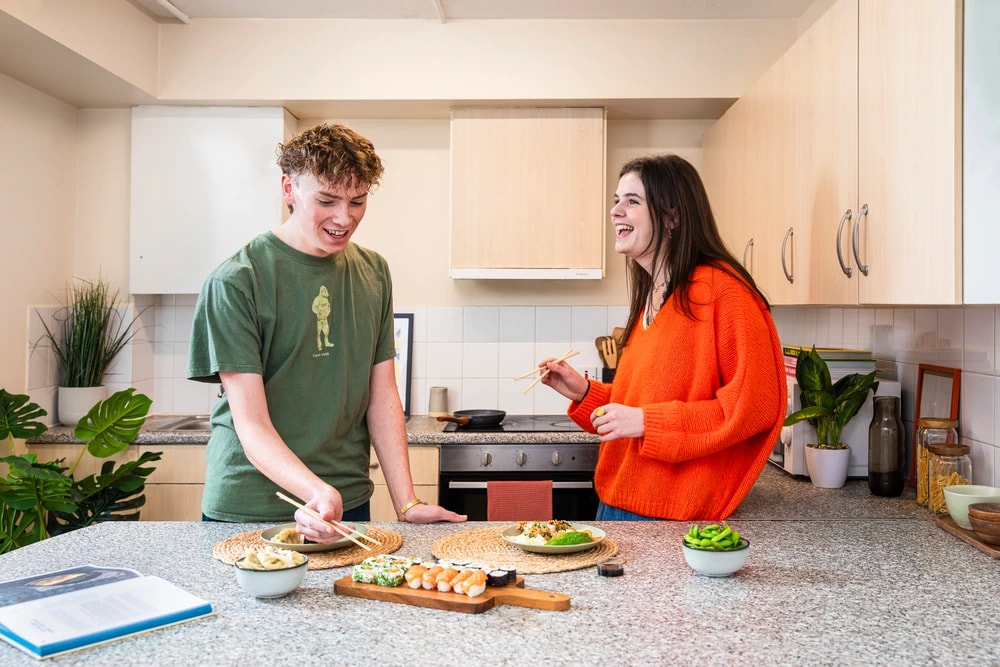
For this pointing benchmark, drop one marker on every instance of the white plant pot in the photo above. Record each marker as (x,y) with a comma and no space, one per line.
(827,468)
(73,403)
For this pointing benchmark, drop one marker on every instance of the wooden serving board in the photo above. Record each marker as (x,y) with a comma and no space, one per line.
(968,536)
(515,595)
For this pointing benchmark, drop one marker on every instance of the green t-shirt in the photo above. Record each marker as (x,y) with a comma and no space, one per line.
(313,327)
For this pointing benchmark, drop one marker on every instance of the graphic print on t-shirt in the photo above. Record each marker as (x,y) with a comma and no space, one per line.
(321,307)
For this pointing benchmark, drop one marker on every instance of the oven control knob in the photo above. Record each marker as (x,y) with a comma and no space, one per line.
(556,458)
(521,458)
(486,459)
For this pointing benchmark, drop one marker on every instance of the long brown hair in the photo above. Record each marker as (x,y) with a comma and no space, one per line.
(684,233)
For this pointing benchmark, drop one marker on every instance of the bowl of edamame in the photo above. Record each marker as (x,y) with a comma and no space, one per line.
(715,550)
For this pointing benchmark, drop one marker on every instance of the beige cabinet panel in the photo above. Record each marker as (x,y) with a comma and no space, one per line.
(424,471)
(909,151)
(172,502)
(823,158)
(178,464)
(528,193)
(88,464)
(852,159)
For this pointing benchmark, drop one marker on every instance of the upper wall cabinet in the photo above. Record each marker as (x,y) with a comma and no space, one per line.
(204,182)
(863,170)
(527,193)
(981,152)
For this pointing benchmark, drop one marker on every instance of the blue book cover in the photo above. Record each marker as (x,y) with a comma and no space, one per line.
(55,612)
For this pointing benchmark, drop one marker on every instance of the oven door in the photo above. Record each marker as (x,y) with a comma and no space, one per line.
(573,495)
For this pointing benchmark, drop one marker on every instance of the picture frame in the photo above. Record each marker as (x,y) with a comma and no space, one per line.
(403,334)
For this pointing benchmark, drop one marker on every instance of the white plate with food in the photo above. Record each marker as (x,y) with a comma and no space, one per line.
(285,537)
(553,537)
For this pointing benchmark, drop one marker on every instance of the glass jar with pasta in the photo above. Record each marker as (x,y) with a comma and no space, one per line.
(931,431)
(948,465)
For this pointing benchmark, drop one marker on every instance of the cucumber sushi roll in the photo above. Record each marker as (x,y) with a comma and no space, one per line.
(363,573)
(390,576)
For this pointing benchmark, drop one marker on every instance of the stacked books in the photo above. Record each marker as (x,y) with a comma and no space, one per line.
(839,360)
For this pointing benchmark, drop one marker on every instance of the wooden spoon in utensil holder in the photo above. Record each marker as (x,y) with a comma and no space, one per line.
(610,352)
(599,343)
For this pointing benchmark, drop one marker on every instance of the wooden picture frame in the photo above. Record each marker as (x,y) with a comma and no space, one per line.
(403,334)
(938,391)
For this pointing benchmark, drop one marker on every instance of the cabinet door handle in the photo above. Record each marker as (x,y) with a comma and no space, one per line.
(748,248)
(840,255)
(784,267)
(555,485)
(373,466)
(862,215)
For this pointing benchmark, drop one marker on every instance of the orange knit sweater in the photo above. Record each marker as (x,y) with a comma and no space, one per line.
(713,391)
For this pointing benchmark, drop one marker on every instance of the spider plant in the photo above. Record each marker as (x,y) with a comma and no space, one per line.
(90,332)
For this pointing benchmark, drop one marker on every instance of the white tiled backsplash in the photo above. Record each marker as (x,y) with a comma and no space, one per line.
(476,351)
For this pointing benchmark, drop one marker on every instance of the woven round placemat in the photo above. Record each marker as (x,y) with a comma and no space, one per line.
(487,545)
(235,547)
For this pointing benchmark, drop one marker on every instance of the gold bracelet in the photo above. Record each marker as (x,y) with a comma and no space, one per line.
(410,505)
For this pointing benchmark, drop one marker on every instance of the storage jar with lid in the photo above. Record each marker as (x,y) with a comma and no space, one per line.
(948,465)
(931,431)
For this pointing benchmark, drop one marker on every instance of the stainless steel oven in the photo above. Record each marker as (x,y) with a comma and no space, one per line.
(465,468)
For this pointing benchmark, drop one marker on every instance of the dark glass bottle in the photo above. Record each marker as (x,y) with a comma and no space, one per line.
(886,448)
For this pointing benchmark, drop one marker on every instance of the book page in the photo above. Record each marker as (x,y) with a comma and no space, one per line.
(79,617)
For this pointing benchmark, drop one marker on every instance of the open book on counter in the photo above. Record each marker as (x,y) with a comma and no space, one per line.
(52,613)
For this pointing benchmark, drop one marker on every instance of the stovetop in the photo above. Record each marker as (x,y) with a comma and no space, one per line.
(522,424)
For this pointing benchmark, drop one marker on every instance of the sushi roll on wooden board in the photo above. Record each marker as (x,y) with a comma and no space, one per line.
(490,597)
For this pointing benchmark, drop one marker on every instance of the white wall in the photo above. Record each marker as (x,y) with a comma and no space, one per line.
(38,177)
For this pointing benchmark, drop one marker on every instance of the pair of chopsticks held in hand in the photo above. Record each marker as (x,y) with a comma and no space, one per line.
(346,531)
(543,370)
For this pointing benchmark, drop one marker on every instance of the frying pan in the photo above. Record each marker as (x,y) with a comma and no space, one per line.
(476,418)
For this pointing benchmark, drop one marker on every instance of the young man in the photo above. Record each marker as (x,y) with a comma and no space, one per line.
(298,327)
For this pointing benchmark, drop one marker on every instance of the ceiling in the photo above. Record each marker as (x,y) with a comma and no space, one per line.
(457,10)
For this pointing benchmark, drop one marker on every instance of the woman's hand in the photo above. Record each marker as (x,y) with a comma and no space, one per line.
(564,379)
(614,421)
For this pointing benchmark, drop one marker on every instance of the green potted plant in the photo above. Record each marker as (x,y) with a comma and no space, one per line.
(89,333)
(38,500)
(828,406)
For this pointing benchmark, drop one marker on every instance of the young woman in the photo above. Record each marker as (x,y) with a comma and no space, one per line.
(699,395)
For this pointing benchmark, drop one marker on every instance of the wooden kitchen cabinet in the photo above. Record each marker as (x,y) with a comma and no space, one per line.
(747,157)
(173,490)
(424,470)
(528,193)
(866,104)
(204,181)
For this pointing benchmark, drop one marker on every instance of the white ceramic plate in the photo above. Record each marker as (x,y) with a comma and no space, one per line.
(510,533)
(310,548)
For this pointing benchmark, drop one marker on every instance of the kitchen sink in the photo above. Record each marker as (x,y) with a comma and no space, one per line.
(190,423)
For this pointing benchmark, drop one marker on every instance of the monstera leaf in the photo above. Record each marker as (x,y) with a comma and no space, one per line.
(113,423)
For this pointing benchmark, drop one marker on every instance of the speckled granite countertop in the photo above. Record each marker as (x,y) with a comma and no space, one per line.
(420,429)
(845,592)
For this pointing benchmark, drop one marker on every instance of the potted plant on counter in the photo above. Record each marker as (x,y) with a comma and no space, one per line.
(828,406)
(38,500)
(89,333)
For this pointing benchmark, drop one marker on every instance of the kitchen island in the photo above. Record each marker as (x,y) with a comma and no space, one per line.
(845,591)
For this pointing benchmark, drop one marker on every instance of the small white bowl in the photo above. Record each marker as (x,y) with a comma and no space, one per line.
(958,497)
(271,583)
(717,563)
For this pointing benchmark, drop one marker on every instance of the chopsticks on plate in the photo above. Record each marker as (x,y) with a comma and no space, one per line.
(336,525)
(544,371)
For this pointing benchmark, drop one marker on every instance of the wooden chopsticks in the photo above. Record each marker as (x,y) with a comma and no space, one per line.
(337,526)
(544,371)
